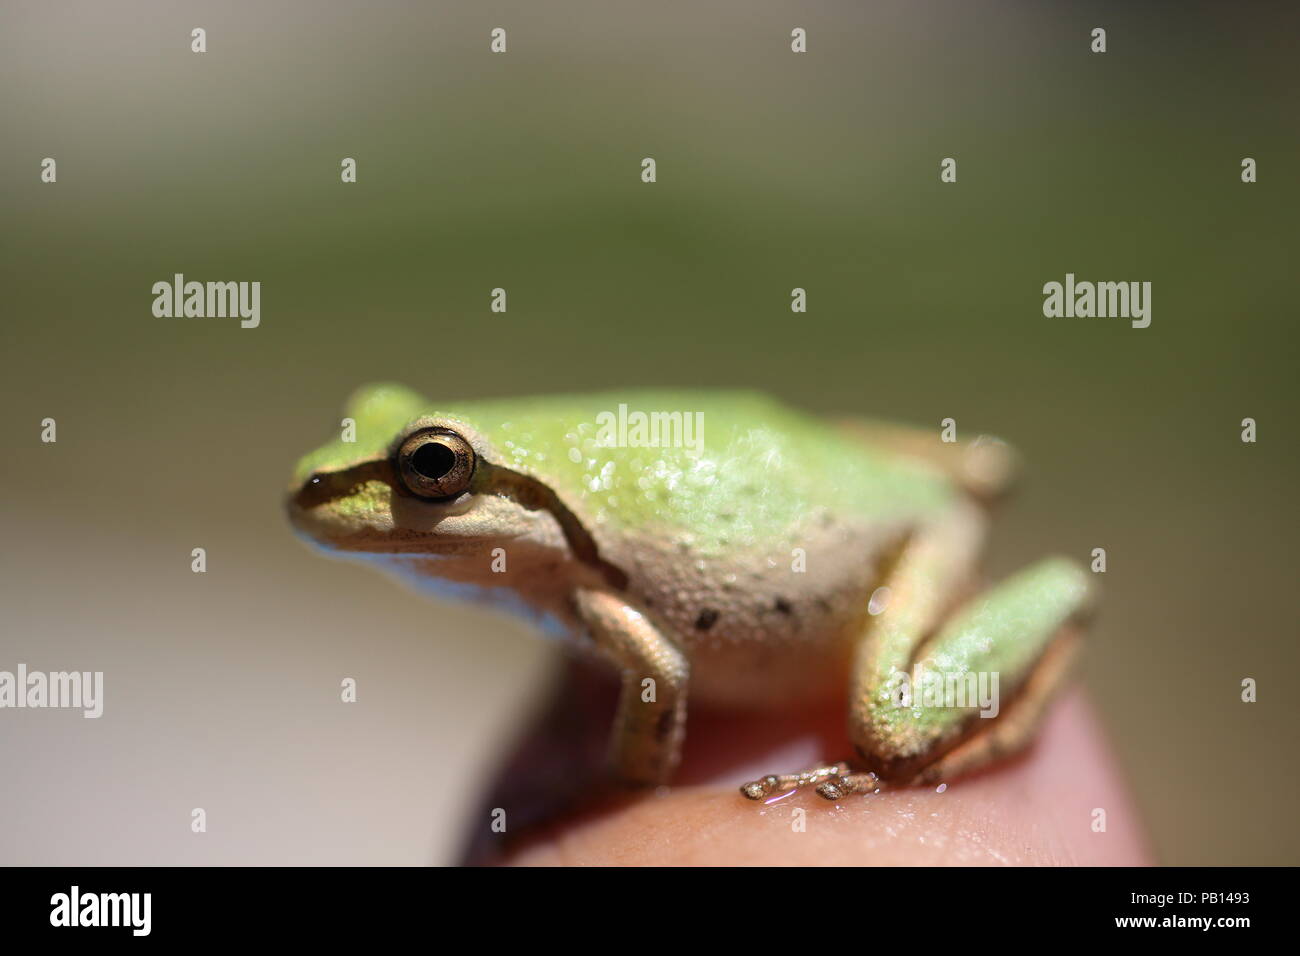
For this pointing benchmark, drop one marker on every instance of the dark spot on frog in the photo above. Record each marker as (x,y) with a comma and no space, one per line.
(664,724)
(708,617)
(783,606)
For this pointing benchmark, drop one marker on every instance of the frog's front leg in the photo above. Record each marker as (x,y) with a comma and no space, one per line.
(920,705)
(650,725)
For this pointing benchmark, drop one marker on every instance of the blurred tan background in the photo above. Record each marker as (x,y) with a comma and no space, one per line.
(522,171)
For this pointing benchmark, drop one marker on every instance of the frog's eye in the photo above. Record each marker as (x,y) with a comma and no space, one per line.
(436,463)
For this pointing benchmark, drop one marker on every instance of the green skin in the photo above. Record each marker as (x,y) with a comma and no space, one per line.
(740,571)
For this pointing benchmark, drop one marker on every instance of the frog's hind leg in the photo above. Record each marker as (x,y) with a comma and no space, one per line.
(924,707)
(1013,730)
(932,568)
(926,695)
(1010,732)
(984,466)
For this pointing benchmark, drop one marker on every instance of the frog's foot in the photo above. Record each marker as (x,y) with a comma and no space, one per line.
(848,783)
(826,775)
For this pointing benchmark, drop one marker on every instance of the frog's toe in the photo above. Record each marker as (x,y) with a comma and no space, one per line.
(838,788)
(773,783)
(832,789)
(758,789)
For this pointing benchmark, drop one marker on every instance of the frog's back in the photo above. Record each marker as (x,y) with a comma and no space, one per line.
(714,463)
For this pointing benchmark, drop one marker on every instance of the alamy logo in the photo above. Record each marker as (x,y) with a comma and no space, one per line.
(102,909)
(212,300)
(60,689)
(1122,300)
(636,429)
(929,687)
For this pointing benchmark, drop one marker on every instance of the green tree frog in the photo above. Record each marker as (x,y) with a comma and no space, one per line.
(761,559)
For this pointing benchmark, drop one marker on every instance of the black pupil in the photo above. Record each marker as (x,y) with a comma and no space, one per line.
(433,460)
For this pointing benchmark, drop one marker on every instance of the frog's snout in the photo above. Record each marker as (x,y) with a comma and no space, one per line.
(322,487)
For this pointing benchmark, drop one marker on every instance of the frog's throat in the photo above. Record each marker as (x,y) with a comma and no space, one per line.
(523,489)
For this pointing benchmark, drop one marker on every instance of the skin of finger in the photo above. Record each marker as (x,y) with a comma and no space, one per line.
(1061,803)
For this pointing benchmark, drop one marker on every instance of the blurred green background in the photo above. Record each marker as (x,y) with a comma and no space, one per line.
(521,170)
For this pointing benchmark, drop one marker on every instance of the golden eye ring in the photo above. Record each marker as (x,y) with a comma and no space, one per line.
(436,463)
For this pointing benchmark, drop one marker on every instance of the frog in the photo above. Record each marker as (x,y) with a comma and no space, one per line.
(774,560)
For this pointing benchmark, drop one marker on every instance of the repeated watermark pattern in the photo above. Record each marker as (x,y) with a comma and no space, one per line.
(634,428)
(65,690)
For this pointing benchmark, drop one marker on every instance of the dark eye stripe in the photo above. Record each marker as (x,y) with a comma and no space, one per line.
(325,486)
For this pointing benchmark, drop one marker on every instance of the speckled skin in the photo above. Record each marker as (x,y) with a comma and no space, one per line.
(740,569)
